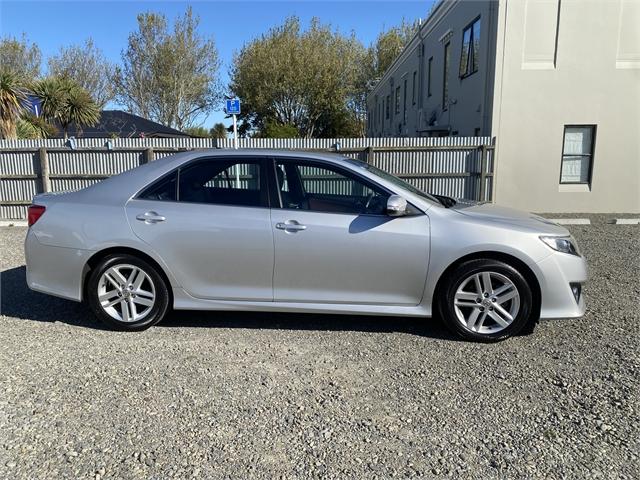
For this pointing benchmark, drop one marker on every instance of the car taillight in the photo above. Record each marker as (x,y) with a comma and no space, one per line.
(35,212)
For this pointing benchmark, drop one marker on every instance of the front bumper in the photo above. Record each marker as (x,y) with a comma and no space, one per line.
(558,272)
(55,270)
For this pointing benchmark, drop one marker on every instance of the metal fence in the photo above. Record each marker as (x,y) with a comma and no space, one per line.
(460,167)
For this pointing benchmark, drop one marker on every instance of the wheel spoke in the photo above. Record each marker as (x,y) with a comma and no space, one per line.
(138,280)
(476,279)
(144,293)
(466,296)
(143,301)
(503,312)
(125,311)
(132,309)
(486,283)
(114,275)
(506,297)
(499,320)
(111,303)
(471,321)
(107,296)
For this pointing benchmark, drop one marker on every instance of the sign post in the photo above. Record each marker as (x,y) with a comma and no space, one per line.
(232,108)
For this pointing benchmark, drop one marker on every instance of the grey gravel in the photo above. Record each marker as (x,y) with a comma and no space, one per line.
(238,395)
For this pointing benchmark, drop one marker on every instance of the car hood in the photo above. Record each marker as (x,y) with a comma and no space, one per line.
(490,212)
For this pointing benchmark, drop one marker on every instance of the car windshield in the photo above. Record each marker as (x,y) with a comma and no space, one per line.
(392,179)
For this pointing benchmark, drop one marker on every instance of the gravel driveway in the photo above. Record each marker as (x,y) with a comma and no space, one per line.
(227,395)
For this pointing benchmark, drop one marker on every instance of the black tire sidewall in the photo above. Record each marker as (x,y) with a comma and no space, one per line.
(159,309)
(466,269)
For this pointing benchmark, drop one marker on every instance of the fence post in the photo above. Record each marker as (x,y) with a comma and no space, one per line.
(369,155)
(483,173)
(148,155)
(45,182)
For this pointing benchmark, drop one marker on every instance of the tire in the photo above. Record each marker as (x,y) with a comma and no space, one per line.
(485,314)
(143,302)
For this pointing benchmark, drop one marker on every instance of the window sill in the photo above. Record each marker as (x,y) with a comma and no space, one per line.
(467,75)
(574,188)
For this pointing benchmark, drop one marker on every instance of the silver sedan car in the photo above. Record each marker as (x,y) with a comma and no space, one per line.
(297,232)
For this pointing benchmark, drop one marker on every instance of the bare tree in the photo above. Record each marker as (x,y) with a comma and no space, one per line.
(87,66)
(169,77)
(20,57)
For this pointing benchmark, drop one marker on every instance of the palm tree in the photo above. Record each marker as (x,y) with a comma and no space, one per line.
(65,102)
(12,99)
(32,126)
(81,110)
(218,131)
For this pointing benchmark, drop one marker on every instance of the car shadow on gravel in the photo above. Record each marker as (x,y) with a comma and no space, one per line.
(307,321)
(18,301)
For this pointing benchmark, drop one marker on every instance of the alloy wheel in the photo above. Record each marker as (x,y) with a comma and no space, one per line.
(486,302)
(126,293)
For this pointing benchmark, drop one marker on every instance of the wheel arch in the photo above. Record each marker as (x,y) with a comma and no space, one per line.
(95,259)
(507,258)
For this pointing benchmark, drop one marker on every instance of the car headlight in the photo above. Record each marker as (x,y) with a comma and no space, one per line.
(562,244)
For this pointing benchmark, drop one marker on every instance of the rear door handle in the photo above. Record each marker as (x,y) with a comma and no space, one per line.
(150,217)
(290,226)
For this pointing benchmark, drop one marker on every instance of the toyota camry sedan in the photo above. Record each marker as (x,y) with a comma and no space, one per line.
(297,232)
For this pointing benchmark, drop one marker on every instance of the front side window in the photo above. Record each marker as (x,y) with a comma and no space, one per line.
(577,153)
(470,49)
(222,182)
(322,188)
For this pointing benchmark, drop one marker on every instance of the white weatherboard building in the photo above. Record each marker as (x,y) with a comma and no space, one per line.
(556,82)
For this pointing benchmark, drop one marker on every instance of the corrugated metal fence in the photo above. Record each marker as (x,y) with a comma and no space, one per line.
(460,167)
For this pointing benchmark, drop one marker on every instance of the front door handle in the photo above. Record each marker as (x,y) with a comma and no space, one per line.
(290,226)
(150,217)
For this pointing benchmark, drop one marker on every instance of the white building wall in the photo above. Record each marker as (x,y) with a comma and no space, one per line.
(568,62)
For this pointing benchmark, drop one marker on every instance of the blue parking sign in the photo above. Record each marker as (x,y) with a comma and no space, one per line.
(233,106)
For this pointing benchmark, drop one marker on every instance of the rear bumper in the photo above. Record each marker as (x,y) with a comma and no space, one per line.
(559,271)
(55,270)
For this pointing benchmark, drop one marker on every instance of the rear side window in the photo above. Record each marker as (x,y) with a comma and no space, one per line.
(164,189)
(223,183)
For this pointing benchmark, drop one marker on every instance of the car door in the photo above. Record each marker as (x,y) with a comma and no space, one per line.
(334,242)
(210,223)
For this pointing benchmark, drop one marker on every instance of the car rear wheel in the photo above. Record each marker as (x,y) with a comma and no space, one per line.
(127,293)
(486,300)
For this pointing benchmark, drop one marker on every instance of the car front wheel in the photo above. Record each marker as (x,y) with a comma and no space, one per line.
(486,300)
(127,293)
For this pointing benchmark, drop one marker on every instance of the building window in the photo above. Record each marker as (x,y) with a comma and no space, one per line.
(476,132)
(577,153)
(387,109)
(429,65)
(397,109)
(413,88)
(445,76)
(404,103)
(470,49)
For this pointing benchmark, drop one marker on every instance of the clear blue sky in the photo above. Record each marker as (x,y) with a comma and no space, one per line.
(53,24)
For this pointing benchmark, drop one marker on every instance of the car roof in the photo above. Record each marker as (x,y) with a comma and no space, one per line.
(120,188)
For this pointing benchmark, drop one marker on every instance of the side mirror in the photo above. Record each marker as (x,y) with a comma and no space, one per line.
(396,206)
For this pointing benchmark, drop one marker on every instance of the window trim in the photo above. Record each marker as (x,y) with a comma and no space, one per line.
(471,38)
(446,65)
(429,68)
(594,129)
(413,87)
(319,163)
